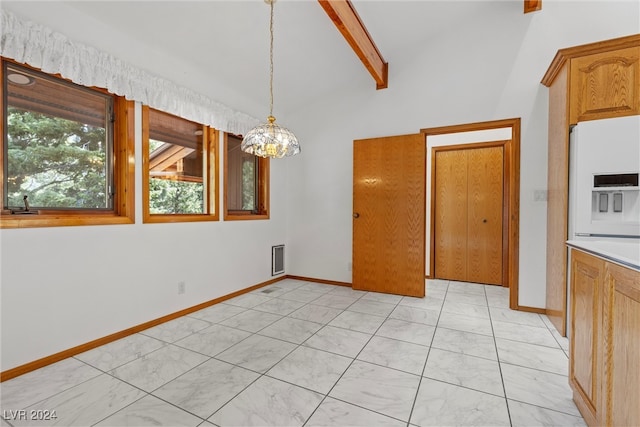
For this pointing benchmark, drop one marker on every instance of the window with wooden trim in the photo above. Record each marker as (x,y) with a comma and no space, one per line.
(67,152)
(246,183)
(179,169)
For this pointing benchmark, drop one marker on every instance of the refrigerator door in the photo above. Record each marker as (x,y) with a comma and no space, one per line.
(603,149)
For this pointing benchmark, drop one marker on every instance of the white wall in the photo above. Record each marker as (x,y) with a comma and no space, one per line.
(65,286)
(489,69)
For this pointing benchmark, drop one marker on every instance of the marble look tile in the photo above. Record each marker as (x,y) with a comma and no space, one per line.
(416,315)
(519,317)
(218,313)
(155,369)
(496,290)
(335,413)
(268,402)
(360,322)
(546,321)
(538,388)
(476,299)
(117,353)
(466,287)
(395,354)
(437,284)
(207,387)
(272,291)
(563,342)
(301,295)
(151,411)
(372,307)
(316,313)
(461,322)
(279,306)
(87,403)
(3,423)
(533,356)
(346,291)
(176,329)
(466,309)
(292,330)
(435,293)
(402,330)
(463,370)
(247,300)
(251,320)
(213,340)
(257,353)
(290,284)
(523,415)
(384,390)
(501,301)
(316,287)
(25,390)
(425,303)
(524,333)
(338,340)
(465,343)
(335,301)
(441,404)
(380,297)
(314,369)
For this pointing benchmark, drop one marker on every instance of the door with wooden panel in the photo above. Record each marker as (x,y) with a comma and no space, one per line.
(389,215)
(468,214)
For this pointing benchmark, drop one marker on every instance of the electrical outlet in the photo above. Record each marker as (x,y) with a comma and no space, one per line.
(182,288)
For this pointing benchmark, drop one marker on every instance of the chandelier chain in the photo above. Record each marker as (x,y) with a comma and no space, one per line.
(271,59)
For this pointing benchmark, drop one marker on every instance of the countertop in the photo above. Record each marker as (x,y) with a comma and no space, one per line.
(625,252)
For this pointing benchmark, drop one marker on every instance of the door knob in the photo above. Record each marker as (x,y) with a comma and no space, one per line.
(356,215)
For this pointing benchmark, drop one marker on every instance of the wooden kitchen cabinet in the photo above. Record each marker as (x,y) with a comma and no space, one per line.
(587,82)
(604,359)
(605,85)
(585,352)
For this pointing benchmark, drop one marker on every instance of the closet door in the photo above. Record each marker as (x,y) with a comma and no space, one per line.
(468,229)
(451,215)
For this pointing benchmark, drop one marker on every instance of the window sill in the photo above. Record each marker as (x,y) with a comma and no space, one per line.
(60,220)
(245,216)
(172,218)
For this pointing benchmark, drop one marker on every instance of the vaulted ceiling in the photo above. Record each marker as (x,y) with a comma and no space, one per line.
(221,48)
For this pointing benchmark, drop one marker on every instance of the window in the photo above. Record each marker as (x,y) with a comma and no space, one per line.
(246,183)
(66,151)
(180,169)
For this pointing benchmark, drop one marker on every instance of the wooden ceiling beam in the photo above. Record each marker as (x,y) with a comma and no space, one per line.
(346,19)
(532,5)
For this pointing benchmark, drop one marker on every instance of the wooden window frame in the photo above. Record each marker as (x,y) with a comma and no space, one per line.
(262,191)
(123,211)
(210,143)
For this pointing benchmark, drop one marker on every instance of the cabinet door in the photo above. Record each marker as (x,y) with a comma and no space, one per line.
(587,275)
(622,346)
(605,85)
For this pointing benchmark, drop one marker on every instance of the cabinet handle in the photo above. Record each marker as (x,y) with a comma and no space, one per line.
(484,220)
(356,215)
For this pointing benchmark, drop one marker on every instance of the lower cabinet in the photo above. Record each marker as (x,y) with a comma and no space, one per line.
(604,359)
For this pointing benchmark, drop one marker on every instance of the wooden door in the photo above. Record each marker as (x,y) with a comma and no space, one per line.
(586,317)
(389,214)
(469,206)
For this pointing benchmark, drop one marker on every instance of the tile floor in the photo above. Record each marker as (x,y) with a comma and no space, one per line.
(301,353)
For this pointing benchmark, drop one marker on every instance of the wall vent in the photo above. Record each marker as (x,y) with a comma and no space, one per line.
(277,260)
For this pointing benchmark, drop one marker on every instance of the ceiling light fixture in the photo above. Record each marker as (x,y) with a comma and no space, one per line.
(270,139)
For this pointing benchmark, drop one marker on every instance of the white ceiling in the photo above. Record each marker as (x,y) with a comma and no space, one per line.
(220,48)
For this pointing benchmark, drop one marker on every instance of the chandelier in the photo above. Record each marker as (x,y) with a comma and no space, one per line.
(270,139)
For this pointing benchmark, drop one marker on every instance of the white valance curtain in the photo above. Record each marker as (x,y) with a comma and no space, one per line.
(52,52)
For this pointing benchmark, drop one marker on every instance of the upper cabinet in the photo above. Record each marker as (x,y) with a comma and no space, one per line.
(604,85)
(593,81)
